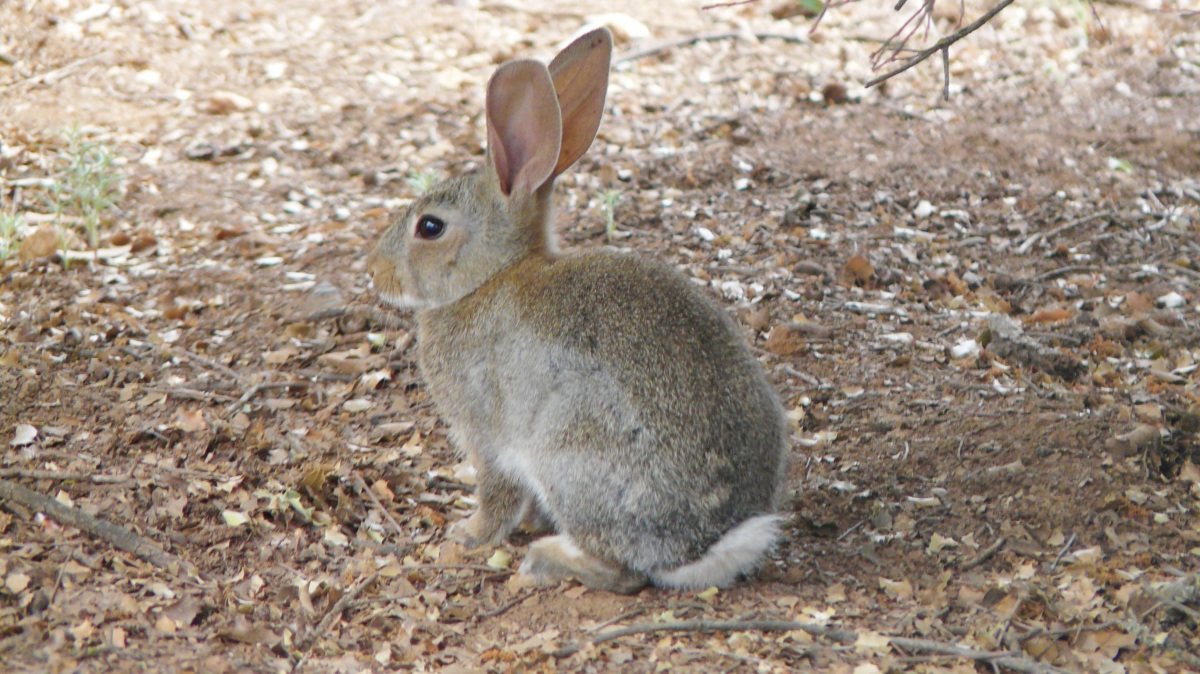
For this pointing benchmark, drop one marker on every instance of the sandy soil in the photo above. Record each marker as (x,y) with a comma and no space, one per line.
(980,312)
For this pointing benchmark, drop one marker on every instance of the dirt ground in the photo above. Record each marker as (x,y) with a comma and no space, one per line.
(980,313)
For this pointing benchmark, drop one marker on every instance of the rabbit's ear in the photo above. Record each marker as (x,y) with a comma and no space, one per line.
(524,126)
(580,73)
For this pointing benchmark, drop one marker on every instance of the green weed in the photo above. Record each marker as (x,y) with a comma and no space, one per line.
(89,184)
(420,181)
(10,224)
(608,203)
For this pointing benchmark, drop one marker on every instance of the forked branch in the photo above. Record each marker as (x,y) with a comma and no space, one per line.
(942,45)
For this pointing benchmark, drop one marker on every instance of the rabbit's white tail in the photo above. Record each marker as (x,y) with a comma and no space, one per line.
(738,551)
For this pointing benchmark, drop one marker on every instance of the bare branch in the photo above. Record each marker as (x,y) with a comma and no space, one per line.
(117,536)
(942,44)
(737,3)
(1013,660)
(703,37)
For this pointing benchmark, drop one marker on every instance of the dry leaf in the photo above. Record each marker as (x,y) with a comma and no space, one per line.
(872,642)
(24,435)
(783,341)
(43,242)
(280,356)
(896,589)
(1048,316)
(189,421)
(858,272)
(227,102)
(16,582)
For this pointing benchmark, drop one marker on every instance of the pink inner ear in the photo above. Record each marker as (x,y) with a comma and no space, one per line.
(580,73)
(524,126)
(499,160)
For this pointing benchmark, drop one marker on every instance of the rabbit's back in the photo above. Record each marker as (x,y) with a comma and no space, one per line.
(619,395)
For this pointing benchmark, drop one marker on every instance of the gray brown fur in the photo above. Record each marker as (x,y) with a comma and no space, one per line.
(599,392)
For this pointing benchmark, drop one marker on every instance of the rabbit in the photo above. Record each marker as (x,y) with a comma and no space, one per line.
(597,392)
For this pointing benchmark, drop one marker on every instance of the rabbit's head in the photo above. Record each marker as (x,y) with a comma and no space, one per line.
(465,229)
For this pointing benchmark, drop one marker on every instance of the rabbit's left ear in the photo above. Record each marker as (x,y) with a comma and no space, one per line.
(580,73)
(524,127)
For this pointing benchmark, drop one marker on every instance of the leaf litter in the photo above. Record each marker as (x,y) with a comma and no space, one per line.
(979,312)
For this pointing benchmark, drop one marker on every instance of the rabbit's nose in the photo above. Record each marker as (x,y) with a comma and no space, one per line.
(372,262)
(379,267)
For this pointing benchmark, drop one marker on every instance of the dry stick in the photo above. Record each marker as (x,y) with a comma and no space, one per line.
(713,626)
(42,77)
(503,608)
(1184,270)
(385,548)
(892,47)
(63,477)
(705,37)
(192,394)
(1079,221)
(119,537)
(1065,271)
(986,554)
(852,529)
(362,487)
(615,619)
(332,615)
(455,567)
(1065,547)
(1033,238)
(946,74)
(208,362)
(258,388)
(942,45)
(738,3)
(1009,621)
(1010,660)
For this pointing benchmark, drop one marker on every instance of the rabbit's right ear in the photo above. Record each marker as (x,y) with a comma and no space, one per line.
(580,73)
(524,126)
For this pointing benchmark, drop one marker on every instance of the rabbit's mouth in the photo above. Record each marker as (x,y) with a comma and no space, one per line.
(402,301)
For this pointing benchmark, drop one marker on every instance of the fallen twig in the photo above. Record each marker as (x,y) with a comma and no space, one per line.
(362,487)
(503,608)
(1066,271)
(986,554)
(704,37)
(1177,594)
(616,619)
(713,626)
(64,477)
(1008,659)
(259,388)
(51,75)
(851,530)
(943,45)
(207,362)
(1186,271)
(1038,236)
(1077,222)
(874,308)
(191,394)
(1066,546)
(120,537)
(331,615)
(1013,660)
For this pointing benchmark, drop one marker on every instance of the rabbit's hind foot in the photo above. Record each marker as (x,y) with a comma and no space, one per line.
(556,558)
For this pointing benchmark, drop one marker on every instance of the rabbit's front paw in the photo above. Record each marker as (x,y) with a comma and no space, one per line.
(477,530)
(536,522)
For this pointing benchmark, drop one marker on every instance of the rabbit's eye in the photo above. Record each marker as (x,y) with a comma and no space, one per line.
(430,227)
